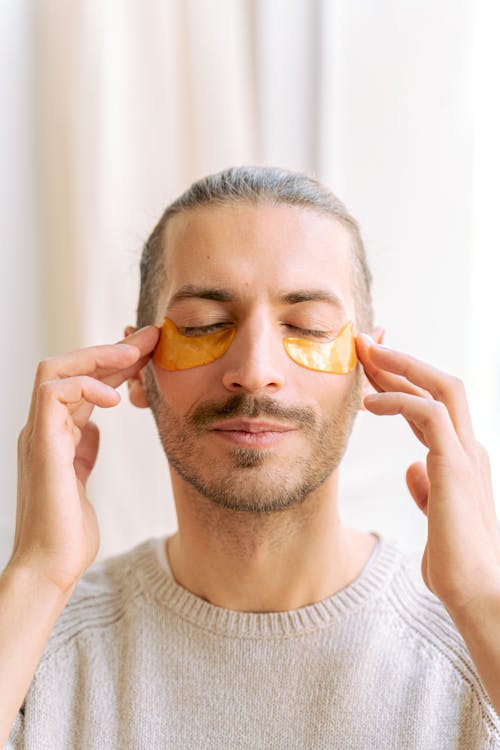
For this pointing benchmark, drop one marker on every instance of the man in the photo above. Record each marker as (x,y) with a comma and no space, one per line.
(264,622)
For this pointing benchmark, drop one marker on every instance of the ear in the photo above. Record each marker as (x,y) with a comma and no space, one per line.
(378,336)
(135,384)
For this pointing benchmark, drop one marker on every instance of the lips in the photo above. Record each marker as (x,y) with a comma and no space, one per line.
(252,433)
(245,425)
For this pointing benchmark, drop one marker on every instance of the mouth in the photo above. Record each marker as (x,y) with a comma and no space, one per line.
(252,433)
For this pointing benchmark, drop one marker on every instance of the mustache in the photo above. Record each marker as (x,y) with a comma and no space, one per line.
(243,405)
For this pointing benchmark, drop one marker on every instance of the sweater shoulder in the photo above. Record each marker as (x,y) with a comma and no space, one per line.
(100,599)
(426,622)
(421,611)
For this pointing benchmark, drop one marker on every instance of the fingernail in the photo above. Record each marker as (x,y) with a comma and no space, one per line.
(126,346)
(139,330)
(367,339)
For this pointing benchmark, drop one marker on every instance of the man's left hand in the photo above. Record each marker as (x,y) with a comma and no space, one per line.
(461,560)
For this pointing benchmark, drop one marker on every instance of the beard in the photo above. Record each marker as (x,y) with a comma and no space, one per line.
(254,480)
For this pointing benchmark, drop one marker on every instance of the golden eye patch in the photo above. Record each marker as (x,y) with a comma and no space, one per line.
(175,351)
(178,352)
(337,357)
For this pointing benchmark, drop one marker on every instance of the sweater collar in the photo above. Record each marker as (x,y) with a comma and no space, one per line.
(156,580)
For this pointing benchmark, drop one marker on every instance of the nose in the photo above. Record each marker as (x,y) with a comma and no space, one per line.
(255,361)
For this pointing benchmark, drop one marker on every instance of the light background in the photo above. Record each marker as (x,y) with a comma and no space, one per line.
(110,110)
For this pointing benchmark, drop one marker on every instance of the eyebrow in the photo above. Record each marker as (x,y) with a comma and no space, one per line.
(311,295)
(190,291)
(217,294)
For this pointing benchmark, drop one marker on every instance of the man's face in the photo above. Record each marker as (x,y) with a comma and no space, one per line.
(253,430)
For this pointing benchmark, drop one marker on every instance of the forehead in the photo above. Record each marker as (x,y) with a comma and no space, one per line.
(257,250)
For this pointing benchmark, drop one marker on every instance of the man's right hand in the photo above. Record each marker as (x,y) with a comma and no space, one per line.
(57,535)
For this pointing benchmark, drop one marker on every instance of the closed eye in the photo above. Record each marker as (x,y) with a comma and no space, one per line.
(208,329)
(310,332)
(203,330)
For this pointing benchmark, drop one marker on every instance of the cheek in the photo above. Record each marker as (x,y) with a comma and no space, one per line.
(183,389)
(325,390)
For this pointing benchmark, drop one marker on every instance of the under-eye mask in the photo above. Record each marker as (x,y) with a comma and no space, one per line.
(337,357)
(175,351)
(178,352)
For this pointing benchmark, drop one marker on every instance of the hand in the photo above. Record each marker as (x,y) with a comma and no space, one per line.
(56,528)
(461,560)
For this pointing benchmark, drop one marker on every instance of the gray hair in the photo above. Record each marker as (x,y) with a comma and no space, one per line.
(254,185)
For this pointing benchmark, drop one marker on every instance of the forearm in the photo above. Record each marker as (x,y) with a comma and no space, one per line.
(479,625)
(29,608)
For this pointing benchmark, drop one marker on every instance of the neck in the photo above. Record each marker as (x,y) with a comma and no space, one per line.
(273,562)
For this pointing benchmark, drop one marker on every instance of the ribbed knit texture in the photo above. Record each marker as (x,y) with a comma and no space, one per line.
(137,661)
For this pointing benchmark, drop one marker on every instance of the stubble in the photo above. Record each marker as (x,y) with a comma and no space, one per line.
(248,479)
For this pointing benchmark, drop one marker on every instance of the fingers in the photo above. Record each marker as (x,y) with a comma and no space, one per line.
(111,363)
(84,411)
(82,414)
(429,418)
(117,378)
(382,380)
(100,361)
(57,398)
(418,484)
(86,452)
(57,451)
(424,381)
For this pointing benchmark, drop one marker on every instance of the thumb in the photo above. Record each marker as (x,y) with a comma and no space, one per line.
(86,453)
(418,484)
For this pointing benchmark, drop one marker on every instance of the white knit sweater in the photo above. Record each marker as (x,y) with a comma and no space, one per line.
(137,661)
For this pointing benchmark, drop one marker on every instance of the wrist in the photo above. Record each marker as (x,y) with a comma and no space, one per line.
(478,609)
(28,578)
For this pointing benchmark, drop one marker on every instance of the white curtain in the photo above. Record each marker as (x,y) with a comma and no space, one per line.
(112,109)
(482,333)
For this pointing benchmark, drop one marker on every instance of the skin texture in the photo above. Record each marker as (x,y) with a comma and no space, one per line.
(56,536)
(294,549)
(461,560)
(177,351)
(258,522)
(260,544)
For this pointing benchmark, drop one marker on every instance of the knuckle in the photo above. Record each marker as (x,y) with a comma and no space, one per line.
(436,410)
(46,389)
(86,381)
(438,407)
(21,440)
(457,384)
(24,447)
(44,369)
(450,385)
(482,454)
